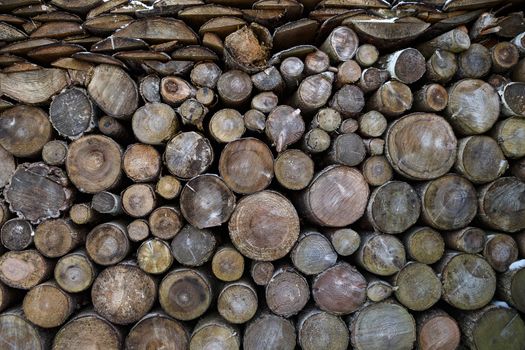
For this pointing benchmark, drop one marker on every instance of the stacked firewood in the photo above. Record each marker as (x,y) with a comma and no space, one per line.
(271,174)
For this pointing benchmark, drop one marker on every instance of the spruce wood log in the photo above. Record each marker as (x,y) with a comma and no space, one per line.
(269,79)
(82,213)
(293,169)
(213,331)
(317,329)
(494,326)
(437,330)
(348,100)
(194,110)
(500,205)
(234,88)
(345,241)
(508,133)
(159,329)
(93,163)
(185,294)
(226,125)
(292,70)
(57,237)
(430,98)
(154,256)
(341,44)
(375,146)
(287,292)
(265,101)
(138,200)
(24,130)
(37,192)
(33,86)
(456,40)
(420,146)
(511,95)
(406,66)
(348,72)
(168,187)
(284,126)
(113,90)
(8,166)
(149,88)
(473,106)
(500,251)
(511,285)
(113,128)
(340,289)
(392,98)
(441,66)
(123,294)
(188,154)
(246,165)
(193,246)
(335,197)
(417,286)
(475,62)
(372,124)
(424,245)
(377,289)
(468,281)
(261,272)
(154,123)
(206,201)
(237,302)
(48,306)
(72,113)
(227,264)
(313,253)
(54,152)
(24,269)
(8,296)
(19,333)
(382,325)
(105,202)
(448,203)
(316,140)
(138,230)
(205,74)
(256,333)
(17,234)
(316,62)
(75,272)
(264,226)
(372,78)
(141,163)
(505,55)
(380,254)
(468,239)
(175,90)
(480,159)
(254,120)
(165,222)
(327,119)
(107,243)
(376,170)
(393,207)
(366,55)
(313,92)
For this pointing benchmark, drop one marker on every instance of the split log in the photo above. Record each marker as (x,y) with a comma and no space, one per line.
(213,330)
(226,125)
(48,306)
(175,90)
(257,331)
(437,330)
(441,66)
(392,99)
(188,154)
(158,328)
(107,243)
(154,256)
(193,246)
(246,165)
(72,113)
(75,272)
(138,200)
(317,329)
(335,197)
(206,201)
(424,245)
(264,226)
(227,264)
(284,126)
(17,234)
(168,187)
(293,169)
(24,269)
(468,240)
(123,293)
(93,163)
(141,163)
(500,205)
(24,130)
(154,123)
(34,86)
(393,207)
(406,66)
(107,203)
(54,152)
(237,302)
(500,251)
(344,240)
(165,222)
(511,285)
(185,294)
(424,142)
(382,325)
(339,290)
(261,272)
(381,254)
(417,286)
(376,170)
(57,237)
(448,203)
(468,281)
(508,135)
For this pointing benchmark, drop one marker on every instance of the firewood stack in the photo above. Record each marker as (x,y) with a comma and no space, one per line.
(271,174)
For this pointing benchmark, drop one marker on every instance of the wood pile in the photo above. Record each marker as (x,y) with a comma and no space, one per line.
(262,174)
